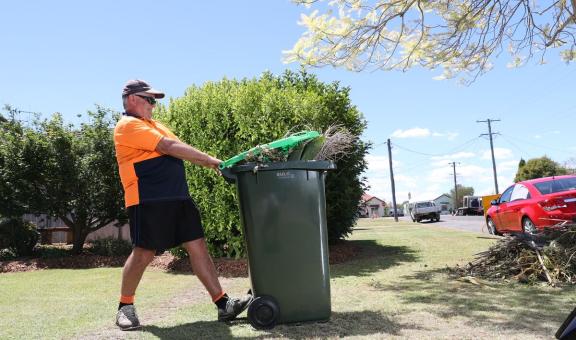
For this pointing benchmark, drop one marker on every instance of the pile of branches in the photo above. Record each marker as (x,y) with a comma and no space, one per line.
(549,257)
(333,144)
(338,143)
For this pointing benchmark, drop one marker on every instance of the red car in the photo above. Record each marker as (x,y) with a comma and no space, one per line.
(532,205)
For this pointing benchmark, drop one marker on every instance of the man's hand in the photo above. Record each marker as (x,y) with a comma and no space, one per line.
(213,163)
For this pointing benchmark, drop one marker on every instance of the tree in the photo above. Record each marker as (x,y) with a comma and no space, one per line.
(539,167)
(521,163)
(459,37)
(570,165)
(461,191)
(16,156)
(62,171)
(227,117)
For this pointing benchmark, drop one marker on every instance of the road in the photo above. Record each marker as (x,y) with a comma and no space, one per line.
(467,223)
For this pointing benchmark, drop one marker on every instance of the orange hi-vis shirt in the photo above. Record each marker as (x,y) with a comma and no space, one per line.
(147,175)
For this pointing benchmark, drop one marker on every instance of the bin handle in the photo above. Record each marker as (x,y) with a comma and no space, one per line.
(228,175)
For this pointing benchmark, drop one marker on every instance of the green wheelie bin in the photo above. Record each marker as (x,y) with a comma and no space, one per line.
(283,213)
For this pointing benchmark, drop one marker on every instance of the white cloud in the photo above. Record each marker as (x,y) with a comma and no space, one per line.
(484,191)
(380,164)
(381,188)
(449,135)
(404,180)
(504,182)
(499,153)
(442,161)
(418,132)
(469,173)
(411,133)
(507,166)
(436,177)
(377,163)
(454,156)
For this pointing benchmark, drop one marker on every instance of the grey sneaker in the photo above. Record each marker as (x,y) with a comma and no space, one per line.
(127,319)
(234,307)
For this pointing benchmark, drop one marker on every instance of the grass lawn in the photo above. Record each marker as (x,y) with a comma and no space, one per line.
(396,288)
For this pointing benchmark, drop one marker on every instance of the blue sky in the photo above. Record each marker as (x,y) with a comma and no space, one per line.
(67,56)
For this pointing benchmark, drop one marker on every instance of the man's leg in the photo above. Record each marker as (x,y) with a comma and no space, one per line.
(132,272)
(203,266)
(201,262)
(134,269)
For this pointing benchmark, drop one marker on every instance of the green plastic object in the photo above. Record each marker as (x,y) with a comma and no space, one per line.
(312,148)
(283,144)
(283,215)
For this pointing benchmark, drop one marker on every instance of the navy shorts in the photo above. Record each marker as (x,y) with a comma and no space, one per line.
(164,225)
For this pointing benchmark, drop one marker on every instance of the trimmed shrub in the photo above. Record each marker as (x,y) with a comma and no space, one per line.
(230,116)
(51,251)
(18,235)
(111,247)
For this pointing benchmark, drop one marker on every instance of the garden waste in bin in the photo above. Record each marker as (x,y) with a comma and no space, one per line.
(283,213)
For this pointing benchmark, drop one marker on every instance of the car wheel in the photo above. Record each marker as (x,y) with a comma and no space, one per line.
(492,227)
(528,226)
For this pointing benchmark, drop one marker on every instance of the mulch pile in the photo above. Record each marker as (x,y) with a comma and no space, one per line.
(546,257)
(339,253)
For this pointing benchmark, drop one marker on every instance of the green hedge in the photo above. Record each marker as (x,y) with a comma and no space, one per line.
(111,247)
(230,116)
(18,236)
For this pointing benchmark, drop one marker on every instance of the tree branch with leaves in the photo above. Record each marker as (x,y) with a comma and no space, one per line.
(459,37)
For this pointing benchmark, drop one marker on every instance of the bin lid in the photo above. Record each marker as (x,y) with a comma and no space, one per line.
(291,165)
(283,144)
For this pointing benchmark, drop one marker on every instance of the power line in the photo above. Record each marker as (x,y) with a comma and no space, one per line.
(466,145)
(539,146)
(522,151)
(448,153)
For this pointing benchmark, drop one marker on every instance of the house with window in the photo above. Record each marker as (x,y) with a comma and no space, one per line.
(53,230)
(371,206)
(445,203)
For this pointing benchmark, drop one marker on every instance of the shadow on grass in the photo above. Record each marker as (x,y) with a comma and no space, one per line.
(373,257)
(362,323)
(509,306)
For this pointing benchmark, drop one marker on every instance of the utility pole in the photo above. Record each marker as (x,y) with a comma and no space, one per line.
(392,180)
(455,186)
(489,121)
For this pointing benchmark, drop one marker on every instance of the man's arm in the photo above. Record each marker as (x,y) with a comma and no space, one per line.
(184,151)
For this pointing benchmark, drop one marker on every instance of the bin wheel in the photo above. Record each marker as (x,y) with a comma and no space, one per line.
(263,312)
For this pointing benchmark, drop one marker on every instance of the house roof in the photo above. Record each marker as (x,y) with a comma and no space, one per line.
(367,197)
(441,196)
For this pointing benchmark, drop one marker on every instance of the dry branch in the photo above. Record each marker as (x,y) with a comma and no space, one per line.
(546,257)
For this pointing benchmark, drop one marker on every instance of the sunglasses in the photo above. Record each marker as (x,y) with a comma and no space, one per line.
(150,100)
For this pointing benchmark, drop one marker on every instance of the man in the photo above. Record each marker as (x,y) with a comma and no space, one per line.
(161,211)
